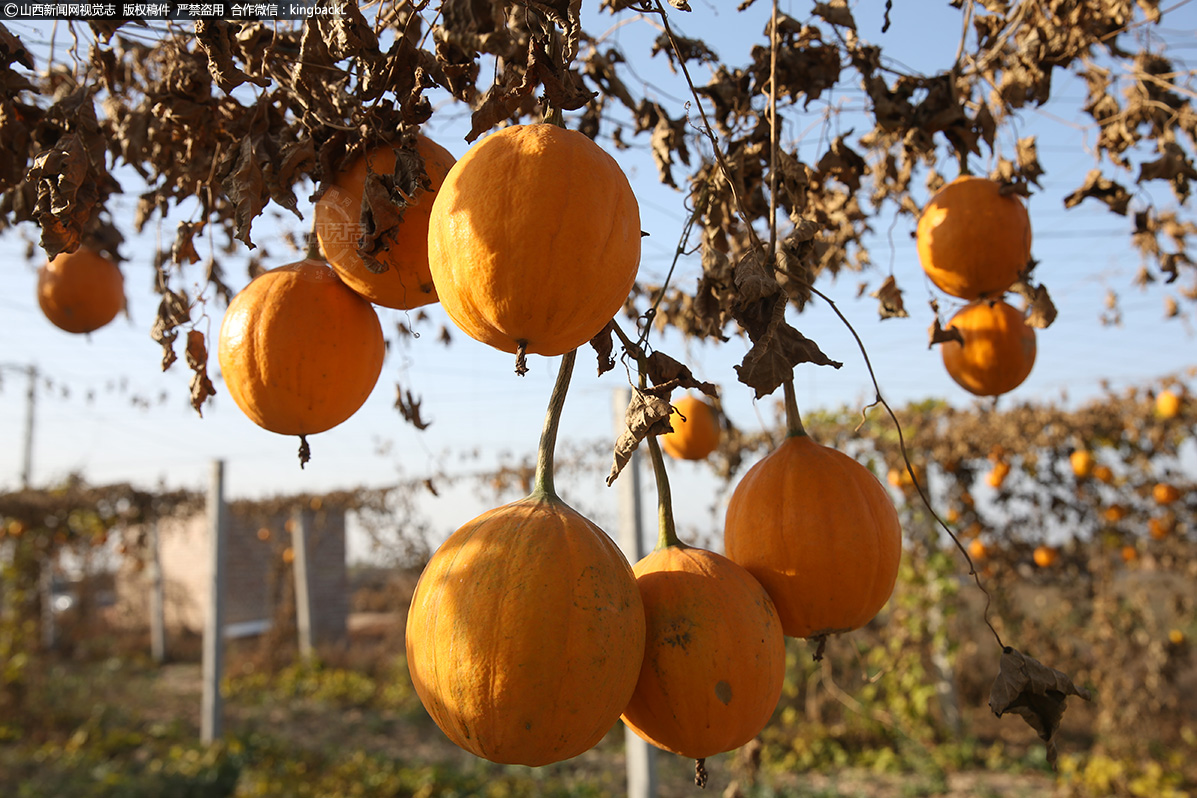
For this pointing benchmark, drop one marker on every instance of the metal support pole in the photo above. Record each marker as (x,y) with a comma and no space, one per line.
(210,717)
(641,756)
(300,538)
(157,599)
(30,402)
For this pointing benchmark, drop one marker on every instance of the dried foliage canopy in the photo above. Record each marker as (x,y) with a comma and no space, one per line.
(232,118)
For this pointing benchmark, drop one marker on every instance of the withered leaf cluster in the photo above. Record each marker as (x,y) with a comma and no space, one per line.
(233,118)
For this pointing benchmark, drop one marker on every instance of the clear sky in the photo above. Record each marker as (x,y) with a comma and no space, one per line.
(89,415)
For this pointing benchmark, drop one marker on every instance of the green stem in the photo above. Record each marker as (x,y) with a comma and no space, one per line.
(666,529)
(793,419)
(542,487)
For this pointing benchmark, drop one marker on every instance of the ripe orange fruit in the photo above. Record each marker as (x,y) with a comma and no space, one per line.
(1159,528)
(1167,404)
(973,241)
(998,350)
(80,291)
(1081,462)
(1163,493)
(977,549)
(695,430)
(288,555)
(1045,556)
(1103,473)
(407,282)
(1114,513)
(300,352)
(1129,554)
(998,474)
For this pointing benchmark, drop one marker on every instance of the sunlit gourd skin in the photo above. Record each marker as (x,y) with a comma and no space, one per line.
(80,291)
(299,351)
(973,241)
(534,240)
(998,350)
(820,533)
(714,660)
(406,281)
(695,430)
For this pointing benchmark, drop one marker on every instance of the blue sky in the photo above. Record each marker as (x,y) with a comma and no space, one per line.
(482,412)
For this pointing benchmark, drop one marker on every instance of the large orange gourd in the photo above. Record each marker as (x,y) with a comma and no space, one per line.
(526,630)
(80,291)
(998,350)
(406,282)
(695,430)
(973,241)
(534,240)
(714,661)
(300,352)
(818,531)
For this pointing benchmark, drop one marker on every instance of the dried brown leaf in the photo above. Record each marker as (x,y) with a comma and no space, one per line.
(890,297)
(197,361)
(938,335)
(836,12)
(604,347)
(667,374)
(1036,692)
(183,248)
(216,39)
(245,184)
(1041,311)
(1103,189)
(775,352)
(409,407)
(646,415)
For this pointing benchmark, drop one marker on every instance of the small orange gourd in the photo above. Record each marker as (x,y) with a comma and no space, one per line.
(973,241)
(1045,556)
(1082,463)
(526,631)
(714,660)
(695,430)
(1160,528)
(998,350)
(1165,493)
(80,291)
(1104,474)
(534,240)
(818,531)
(300,352)
(997,475)
(1167,404)
(406,282)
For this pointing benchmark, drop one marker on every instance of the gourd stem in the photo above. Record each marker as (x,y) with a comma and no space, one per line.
(543,484)
(666,529)
(793,419)
(313,244)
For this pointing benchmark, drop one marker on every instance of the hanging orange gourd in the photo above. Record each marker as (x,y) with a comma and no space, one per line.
(406,281)
(534,240)
(695,430)
(973,241)
(998,350)
(300,352)
(526,630)
(818,531)
(714,661)
(80,291)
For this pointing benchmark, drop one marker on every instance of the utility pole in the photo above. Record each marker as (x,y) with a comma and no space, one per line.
(30,401)
(641,756)
(300,539)
(157,599)
(210,713)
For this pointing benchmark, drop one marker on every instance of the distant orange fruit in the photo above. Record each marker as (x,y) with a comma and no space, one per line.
(80,291)
(1159,528)
(1045,556)
(998,350)
(977,549)
(997,476)
(407,281)
(263,534)
(952,515)
(288,555)
(973,240)
(1103,473)
(1081,462)
(695,430)
(1114,513)
(1164,493)
(1167,404)
(1129,554)
(1176,637)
